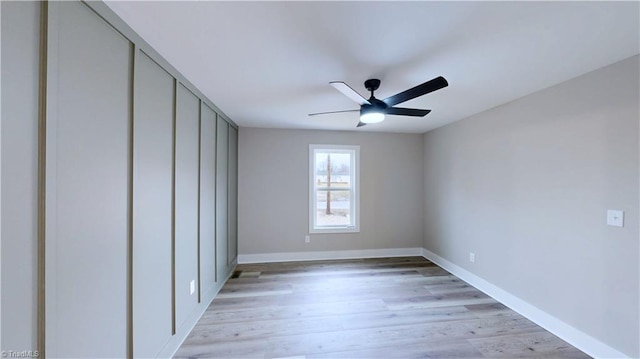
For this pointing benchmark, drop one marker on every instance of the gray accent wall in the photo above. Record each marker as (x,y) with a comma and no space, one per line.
(526,187)
(232,201)
(207,200)
(273,190)
(222,153)
(186,205)
(122,227)
(19,128)
(87,215)
(152,207)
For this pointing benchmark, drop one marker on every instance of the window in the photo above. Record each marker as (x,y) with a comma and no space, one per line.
(333,188)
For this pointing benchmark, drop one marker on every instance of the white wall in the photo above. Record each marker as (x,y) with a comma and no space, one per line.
(274,191)
(526,187)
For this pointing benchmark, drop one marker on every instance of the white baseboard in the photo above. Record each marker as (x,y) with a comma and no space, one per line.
(325,255)
(566,332)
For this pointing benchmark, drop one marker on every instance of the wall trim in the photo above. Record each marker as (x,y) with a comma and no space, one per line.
(326,255)
(42,195)
(566,332)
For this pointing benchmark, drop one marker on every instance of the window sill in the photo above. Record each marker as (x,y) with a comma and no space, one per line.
(334,230)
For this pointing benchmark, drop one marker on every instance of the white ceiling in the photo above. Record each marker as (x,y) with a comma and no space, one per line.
(268,64)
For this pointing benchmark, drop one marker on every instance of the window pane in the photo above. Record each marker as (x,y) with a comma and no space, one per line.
(333,170)
(335,212)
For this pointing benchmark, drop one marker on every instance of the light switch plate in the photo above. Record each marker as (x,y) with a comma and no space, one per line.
(192,286)
(615,218)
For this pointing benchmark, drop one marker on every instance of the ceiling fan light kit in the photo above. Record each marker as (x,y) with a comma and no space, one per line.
(374,110)
(371,116)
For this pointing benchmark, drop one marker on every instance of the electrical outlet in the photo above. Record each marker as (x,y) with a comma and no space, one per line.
(615,218)
(192,285)
(472,257)
(307,239)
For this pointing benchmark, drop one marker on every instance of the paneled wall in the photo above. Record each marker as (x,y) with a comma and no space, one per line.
(138,172)
(207,201)
(186,203)
(20,66)
(87,217)
(232,200)
(222,156)
(152,205)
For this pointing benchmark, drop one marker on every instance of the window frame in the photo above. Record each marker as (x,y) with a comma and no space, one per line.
(354,198)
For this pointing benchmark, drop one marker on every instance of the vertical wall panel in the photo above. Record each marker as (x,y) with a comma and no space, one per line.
(207,200)
(152,207)
(186,202)
(89,238)
(233,194)
(20,61)
(222,254)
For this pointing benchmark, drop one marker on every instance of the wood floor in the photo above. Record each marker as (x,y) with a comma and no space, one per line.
(368,308)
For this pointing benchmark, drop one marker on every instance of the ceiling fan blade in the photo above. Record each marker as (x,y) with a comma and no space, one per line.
(360,124)
(349,92)
(330,112)
(406,111)
(422,89)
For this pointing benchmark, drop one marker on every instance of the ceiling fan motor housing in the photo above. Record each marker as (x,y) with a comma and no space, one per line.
(376,106)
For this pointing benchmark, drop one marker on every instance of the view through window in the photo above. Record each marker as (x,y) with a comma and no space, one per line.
(333,188)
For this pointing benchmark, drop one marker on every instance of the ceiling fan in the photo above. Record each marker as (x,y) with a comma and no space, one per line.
(373,110)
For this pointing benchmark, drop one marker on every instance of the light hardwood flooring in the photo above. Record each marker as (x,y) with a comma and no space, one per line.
(367,308)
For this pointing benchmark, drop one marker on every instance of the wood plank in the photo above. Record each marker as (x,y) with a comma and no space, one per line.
(538,344)
(219,316)
(439,349)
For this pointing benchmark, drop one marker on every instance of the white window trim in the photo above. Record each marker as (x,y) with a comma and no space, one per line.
(355,192)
